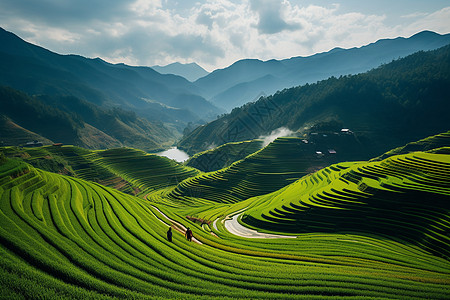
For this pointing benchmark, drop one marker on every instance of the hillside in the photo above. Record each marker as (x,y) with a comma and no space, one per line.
(223,156)
(280,163)
(392,105)
(63,237)
(246,80)
(439,141)
(403,197)
(157,97)
(69,120)
(128,170)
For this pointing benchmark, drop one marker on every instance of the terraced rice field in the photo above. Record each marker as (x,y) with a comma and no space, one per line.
(128,170)
(64,237)
(405,197)
(277,165)
(224,155)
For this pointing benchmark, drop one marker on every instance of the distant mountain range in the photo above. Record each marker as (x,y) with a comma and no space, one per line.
(170,103)
(247,80)
(403,101)
(167,98)
(191,71)
(69,120)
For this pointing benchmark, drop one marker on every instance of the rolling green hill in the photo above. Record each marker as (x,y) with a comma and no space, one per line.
(405,197)
(224,155)
(433,142)
(128,170)
(403,101)
(62,237)
(280,163)
(69,120)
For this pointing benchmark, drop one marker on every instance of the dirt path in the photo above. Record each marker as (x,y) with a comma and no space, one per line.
(175,225)
(232,225)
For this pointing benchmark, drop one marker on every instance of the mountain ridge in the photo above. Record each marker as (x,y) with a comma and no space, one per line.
(190,71)
(369,104)
(309,69)
(36,70)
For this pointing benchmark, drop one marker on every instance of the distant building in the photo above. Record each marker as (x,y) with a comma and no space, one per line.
(34,144)
(346,131)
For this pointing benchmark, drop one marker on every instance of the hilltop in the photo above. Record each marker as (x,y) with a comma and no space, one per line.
(157,97)
(128,170)
(362,229)
(392,105)
(248,79)
(69,120)
(191,71)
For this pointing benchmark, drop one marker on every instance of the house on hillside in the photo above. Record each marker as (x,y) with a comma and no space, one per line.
(34,144)
(346,131)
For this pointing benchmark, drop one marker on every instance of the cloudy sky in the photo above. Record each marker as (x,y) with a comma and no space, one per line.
(216,33)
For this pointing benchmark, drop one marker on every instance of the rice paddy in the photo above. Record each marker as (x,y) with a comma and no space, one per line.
(375,230)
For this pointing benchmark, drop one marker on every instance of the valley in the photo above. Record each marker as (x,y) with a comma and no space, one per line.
(72,236)
(336,188)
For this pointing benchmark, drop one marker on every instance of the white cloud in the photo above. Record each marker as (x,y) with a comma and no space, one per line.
(438,21)
(279,132)
(211,33)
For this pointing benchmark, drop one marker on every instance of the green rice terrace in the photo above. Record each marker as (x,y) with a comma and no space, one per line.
(84,224)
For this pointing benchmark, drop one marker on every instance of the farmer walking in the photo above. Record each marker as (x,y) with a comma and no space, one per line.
(169,234)
(189,234)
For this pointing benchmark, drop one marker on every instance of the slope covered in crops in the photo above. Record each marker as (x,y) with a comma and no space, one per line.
(126,169)
(405,197)
(433,142)
(224,155)
(63,237)
(280,163)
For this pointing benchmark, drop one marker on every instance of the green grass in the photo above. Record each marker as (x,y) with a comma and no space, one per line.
(128,170)
(275,166)
(403,197)
(64,237)
(224,155)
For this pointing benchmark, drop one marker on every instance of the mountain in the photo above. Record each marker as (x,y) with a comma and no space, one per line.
(167,98)
(246,80)
(69,120)
(191,71)
(224,155)
(398,198)
(67,238)
(390,106)
(125,169)
(438,143)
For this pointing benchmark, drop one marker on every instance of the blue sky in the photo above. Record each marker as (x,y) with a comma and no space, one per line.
(216,33)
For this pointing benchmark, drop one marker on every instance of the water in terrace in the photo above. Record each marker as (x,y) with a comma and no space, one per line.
(175,154)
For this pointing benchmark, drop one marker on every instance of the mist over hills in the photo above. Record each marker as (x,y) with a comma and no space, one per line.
(165,104)
(392,105)
(246,80)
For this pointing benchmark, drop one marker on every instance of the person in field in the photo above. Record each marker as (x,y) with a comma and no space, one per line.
(169,234)
(189,234)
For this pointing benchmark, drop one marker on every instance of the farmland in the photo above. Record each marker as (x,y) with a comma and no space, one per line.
(360,229)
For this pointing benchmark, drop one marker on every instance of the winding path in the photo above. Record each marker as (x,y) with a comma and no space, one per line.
(233,226)
(175,225)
